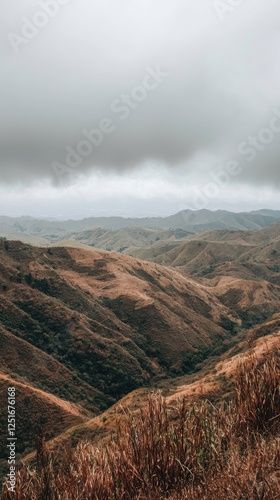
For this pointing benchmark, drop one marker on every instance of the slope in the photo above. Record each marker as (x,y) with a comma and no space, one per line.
(88,327)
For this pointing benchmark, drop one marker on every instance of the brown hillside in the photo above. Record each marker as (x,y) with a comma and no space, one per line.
(36,411)
(215,381)
(91,326)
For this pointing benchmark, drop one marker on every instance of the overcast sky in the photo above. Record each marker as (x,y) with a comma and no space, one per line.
(139,107)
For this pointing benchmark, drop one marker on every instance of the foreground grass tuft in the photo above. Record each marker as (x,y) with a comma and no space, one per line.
(193,451)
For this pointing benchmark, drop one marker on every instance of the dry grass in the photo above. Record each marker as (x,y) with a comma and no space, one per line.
(193,451)
(260,393)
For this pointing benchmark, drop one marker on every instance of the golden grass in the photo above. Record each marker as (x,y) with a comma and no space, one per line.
(190,450)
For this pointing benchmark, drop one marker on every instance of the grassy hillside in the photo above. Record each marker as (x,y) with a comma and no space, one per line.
(83,331)
(89,327)
(240,268)
(213,379)
(124,240)
(203,253)
(197,450)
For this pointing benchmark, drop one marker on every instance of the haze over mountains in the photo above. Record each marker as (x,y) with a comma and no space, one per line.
(180,225)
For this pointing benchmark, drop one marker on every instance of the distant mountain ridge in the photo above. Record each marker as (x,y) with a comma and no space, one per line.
(42,231)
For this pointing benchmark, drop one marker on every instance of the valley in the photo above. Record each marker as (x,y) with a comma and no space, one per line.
(84,331)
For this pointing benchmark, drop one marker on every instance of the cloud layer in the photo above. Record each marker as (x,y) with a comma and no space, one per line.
(90,60)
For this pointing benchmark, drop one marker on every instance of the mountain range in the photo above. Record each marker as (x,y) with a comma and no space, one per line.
(43,231)
(83,330)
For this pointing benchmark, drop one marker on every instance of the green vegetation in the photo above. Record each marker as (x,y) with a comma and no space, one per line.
(275,269)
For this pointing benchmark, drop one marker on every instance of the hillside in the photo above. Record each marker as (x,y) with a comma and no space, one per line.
(240,268)
(188,444)
(213,380)
(82,328)
(215,247)
(124,240)
(91,326)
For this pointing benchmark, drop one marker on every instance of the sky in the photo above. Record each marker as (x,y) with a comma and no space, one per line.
(139,107)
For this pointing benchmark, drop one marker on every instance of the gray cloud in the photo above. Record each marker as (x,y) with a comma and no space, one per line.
(222,86)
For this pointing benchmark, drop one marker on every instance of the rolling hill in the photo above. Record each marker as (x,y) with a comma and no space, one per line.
(83,329)
(214,381)
(88,327)
(240,268)
(215,247)
(124,240)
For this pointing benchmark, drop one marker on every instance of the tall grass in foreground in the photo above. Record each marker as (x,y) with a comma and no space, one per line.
(193,451)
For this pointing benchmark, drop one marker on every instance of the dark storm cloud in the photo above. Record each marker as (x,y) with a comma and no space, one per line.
(74,72)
